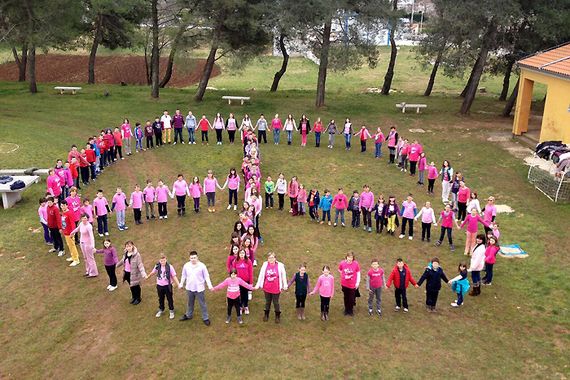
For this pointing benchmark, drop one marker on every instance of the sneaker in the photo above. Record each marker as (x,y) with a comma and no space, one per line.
(174,143)
(74,263)
(185,318)
(69,259)
(454,304)
(322,222)
(159,313)
(160,217)
(410,238)
(369,311)
(254,263)
(330,224)
(100,235)
(229,206)
(207,322)
(379,312)
(452,248)
(108,286)
(240,320)
(171,314)
(61,253)
(112,288)
(53,249)
(342,224)
(228,319)
(106,234)
(246,310)
(235,207)
(182,142)
(165,216)
(125,228)
(405,310)
(397,308)
(438,243)
(402,236)
(120,228)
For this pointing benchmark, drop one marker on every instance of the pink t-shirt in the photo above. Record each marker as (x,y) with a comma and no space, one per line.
(54,185)
(432,172)
(119,200)
(376,278)
(271,281)
(348,273)
(100,206)
(195,190)
(74,204)
(233,182)
(127,265)
(86,234)
(366,199)
(88,210)
(428,215)
(293,189)
(415,151)
(161,279)
(42,212)
(379,138)
(180,187)
(126,129)
(276,124)
(408,209)
(340,202)
(149,194)
(422,164)
(136,199)
(325,286)
(162,194)
(233,285)
(210,185)
(463,194)
(472,223)
(447,219)
(489,213)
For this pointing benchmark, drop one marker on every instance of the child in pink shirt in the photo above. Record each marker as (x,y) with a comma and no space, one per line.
(422,166)
(433,174)
(364,135)
(180,190)
(119,205)
(408,213)
(136,203)
(87,209)
(100,210)
(210,184)
(340,204)
(447,219)
(165,276)
(472,223)
(375,281)
(428,218)
(233,284)
(232,182)
(149,194)
(325,287)
(489,212)
(301,200)
(42,213)
(162,193)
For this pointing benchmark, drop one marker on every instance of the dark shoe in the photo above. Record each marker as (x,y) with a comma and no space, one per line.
(132,300)
(207,322)
(265,315)
(277,317)
(136,302)
(185,318)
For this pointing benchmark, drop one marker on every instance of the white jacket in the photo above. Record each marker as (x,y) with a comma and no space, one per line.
(282,276)
(477,258)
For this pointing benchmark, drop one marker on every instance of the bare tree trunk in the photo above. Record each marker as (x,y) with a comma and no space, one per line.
(323,64)
(464,92)
(208,67)
(512,100)
(93,54)
(21,62)
(173,50)
(284,64)
(506,79)
(393,53)
(155,58)
(431,82)
(488,39)
(32,69)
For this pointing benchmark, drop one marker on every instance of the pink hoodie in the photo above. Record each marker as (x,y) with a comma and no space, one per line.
(366,200)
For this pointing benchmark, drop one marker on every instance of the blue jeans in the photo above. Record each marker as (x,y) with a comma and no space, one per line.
(317,139)
(460,298)
(276,135)
(191,135)
(488,273)
(326,215)
(289,137)
(201,300)
(139,145)
(476,277)
(378,150)
(347,137)
(338,212)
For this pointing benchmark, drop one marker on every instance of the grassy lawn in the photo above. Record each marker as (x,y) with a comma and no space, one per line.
(56,324)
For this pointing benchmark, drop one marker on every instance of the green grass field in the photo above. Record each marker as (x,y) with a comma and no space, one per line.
(54,323)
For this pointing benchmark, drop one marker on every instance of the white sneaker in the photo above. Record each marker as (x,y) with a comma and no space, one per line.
(74,263)
(106,234)
(235,207)
(61,253)
(165,216)
(171,314)
(174,143)
(182,142)
(100,235)
(52,250)
(112,288)
(397,308)
(402,236)
(254,263)
(159,313)
(229,206)
(246,311)
(454,304)
(405,310)
(411,238)
(160,217)
(69,259)
(108,287)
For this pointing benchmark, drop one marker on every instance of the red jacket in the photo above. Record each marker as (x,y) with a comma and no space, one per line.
(53,217)
(395,277)
(73,170)
(90,155)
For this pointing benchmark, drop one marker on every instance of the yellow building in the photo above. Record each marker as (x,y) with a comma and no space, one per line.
(551,68)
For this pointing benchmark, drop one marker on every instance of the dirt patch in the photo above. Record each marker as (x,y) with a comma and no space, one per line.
(56,68)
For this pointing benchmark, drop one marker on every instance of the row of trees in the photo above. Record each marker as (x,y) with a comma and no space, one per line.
(462,36)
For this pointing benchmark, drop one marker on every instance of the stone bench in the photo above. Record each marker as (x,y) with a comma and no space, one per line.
(9,196)
(403,106)
(63,89)
(242,99)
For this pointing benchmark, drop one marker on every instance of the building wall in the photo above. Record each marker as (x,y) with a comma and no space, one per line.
(556,117)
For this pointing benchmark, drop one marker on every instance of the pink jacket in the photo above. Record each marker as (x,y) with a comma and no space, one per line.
(325,286)
(340,202)
(366,200)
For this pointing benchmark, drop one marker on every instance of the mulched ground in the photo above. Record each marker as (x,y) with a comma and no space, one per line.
(54,68)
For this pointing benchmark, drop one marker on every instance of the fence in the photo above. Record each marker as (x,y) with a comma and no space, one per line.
(557,189)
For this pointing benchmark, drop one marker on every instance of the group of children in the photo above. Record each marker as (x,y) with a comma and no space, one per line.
(63,210)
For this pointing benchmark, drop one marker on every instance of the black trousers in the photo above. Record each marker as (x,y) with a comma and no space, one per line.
(325,303)
(158,139)
(411,223)
(363,145)
(379,225)
(178,134)
(431,297)
(219,135)
(426,231)
(269,298)
(196,204)
(119,151)
(234,303)
(300,300)
(136,292)
(243,296)
(262,135)
(461,211)
(165,291)
(355,218)
(112,275)
(57,240)
(401,297)
(431,182)
(102,224)
(138,214)
(232,136)
(233,197)
(204,136)
(281,200)
(149,142)
(162,209)
(84,174)
(442,235)
(413,165)
(181,204)
(366,217)
(268,199)
(349,300)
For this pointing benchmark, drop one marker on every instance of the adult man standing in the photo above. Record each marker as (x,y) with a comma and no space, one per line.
(191,127)
(166,121)
(195,274)
(178,122)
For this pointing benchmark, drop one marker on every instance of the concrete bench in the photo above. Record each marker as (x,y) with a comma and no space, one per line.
(63,89)
(242,99)
(403,106)
(10,197)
